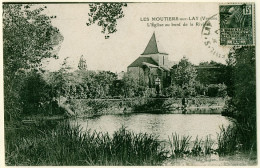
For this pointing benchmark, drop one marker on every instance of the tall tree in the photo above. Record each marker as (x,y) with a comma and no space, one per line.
(185,73)
(244,80)
(28,38)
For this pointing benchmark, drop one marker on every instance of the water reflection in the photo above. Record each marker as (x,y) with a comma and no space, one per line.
(161,125)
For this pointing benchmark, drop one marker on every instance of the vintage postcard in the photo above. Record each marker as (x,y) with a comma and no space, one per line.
(129,83)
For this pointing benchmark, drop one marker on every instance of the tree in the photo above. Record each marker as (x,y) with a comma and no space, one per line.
(185,73)
(36,96)
(211,73)
(106,16)
(104,81)
(244,79)
(28,38)
(242,104)
(59,81)
(132,86)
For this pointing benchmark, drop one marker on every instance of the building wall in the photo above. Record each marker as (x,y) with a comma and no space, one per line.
(161,59)
(138,74)
(146,76)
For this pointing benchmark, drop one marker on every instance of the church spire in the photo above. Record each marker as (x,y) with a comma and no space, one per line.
(82,63)
(153,47)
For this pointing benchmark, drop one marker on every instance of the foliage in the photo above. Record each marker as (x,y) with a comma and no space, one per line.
(179,145)
(245,83)
(132,87)
(182,146)
(104,81)
(208,146)
(59,80)
(183,79)
(37,96)
(106,16)
(151,105)
(51,142)
(197,147)
(216,90)
(82,84)
(227,141)
(236,138)
(34,93)
(67,145)
(205,79)
(242,104)
(173,91)
(28,38)
(117,89)
(198,89)
(211,73)
(185,73)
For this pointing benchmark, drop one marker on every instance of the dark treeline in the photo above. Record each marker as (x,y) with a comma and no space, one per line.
(241,105)
(28,38)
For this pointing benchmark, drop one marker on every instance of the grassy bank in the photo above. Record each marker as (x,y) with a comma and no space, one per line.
(64,145)
(90,107)
(57,143)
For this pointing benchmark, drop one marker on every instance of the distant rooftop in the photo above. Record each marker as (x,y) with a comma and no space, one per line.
(139,62)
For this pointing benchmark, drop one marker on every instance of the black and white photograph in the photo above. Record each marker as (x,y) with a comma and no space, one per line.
(128,83)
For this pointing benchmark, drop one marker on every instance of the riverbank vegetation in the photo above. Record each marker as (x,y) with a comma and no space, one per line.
(242,103)
(66,145)
(56,143)
(96,107)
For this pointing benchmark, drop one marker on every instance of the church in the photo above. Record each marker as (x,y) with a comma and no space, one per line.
(152,65)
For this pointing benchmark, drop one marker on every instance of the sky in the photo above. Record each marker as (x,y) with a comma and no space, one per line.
(126,45)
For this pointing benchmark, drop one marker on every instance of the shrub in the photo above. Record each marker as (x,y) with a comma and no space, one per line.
(212,90)
(174,91)
(217,90)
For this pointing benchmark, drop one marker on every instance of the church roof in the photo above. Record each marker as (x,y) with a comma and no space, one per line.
(149,65)
(139,61)
(165,68)
(153,47)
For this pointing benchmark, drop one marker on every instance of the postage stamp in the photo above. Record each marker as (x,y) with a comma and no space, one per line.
(236,24)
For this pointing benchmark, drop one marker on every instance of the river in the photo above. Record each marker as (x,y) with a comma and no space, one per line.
(160,125)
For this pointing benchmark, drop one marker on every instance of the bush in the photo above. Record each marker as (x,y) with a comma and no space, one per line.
(37,96)
(217,90)
(173,91)
(222,90)
(212,90)
(200,88)
(151,105)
